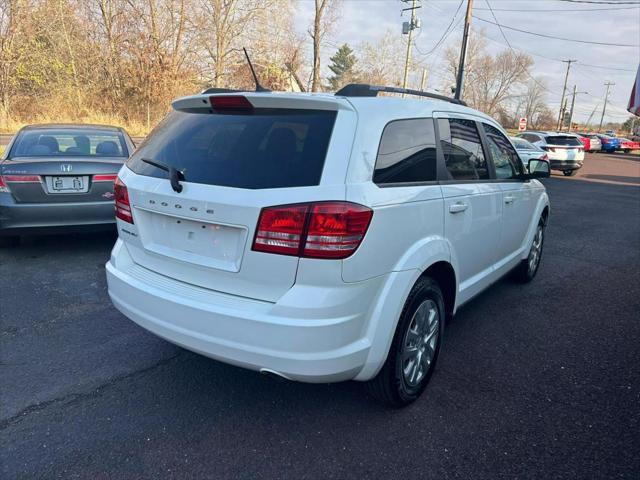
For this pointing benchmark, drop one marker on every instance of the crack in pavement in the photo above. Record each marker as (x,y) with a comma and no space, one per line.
(74,397)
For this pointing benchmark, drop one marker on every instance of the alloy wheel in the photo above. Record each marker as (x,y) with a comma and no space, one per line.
(420,343)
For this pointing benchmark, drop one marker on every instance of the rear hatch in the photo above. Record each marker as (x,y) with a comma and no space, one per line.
(564,147)
(60,179)
(267,150)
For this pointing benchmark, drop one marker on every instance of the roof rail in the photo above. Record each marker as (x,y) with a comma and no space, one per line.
(220,90)
(366,90)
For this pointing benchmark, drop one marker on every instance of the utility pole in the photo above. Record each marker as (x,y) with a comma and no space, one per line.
(463,51)
(573,101)
(604,107)
(564,89)
(591,116)
(563,112)
(424,79)
(408,28)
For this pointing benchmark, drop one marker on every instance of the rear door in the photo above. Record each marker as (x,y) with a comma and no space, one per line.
(235,162)
(472,202)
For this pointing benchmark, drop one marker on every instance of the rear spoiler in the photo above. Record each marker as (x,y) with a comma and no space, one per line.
(303,101)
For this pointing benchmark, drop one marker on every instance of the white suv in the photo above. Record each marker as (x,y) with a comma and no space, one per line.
(321,237)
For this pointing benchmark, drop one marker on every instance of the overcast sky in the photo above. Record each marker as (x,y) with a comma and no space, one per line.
(368,20)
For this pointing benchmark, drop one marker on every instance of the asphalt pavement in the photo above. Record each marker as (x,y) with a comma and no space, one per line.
(535,381)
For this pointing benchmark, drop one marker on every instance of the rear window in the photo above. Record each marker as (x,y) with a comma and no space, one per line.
(45,142)
(266,148)
(564,141)
(407,153)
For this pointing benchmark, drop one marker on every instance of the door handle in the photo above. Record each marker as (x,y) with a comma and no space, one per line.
(508,199)
(458,207)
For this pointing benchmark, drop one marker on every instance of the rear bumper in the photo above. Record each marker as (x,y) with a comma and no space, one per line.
(18,218)
(311,334)
(565,164)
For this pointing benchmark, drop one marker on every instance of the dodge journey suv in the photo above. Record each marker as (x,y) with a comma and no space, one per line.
(321,237)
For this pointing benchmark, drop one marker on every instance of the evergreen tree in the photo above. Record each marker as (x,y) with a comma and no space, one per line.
(343,67)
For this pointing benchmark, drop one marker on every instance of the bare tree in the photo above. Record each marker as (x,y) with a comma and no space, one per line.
(491,80)
(222,25)
(9,55)
(382,62)
(324,17)
(534,102)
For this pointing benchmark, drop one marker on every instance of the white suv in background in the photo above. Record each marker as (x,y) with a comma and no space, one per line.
(565,150)
(321,237)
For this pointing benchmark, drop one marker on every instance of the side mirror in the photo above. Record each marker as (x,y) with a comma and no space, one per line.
(538,168)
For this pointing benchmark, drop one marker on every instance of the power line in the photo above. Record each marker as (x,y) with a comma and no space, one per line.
(512,50)
(602,2)
(445,34)
(557,38)
(536,54)
(529,10)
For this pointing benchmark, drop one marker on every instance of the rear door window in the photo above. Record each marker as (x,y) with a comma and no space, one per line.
(462,149)
(407,153)
(264,148)
(505,159)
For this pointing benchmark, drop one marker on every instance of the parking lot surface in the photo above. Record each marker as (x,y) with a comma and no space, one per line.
(534,381)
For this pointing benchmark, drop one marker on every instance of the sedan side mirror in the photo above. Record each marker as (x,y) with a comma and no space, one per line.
(538,168)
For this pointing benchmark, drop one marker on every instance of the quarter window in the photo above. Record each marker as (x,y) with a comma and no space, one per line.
(462,149)
(407,153)
(505,159)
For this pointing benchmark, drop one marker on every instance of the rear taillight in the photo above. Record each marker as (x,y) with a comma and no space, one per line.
(21,178)
(123,206)
(544,157)
(6,179)
(280,229)
(312,230)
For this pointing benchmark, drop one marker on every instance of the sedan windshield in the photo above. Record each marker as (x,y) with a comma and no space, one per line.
(83,142)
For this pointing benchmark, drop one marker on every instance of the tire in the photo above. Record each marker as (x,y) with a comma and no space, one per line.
(10,241)
(627,151)
(405,374)
(527,269)
(569,173)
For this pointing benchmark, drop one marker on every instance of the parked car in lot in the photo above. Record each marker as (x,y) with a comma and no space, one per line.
(628,146)
(609,144)
(594,142)
(565,150)
(56,177)
(528,150)
(321,237)
(586,142)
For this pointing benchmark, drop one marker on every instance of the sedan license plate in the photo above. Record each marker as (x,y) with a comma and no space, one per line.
(67,184)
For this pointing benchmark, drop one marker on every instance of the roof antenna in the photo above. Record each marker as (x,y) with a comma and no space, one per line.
(259,88)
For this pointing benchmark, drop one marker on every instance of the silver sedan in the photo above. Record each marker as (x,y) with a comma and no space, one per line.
(60,176)
(528,150)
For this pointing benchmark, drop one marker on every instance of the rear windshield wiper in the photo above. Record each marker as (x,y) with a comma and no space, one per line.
(175,175)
